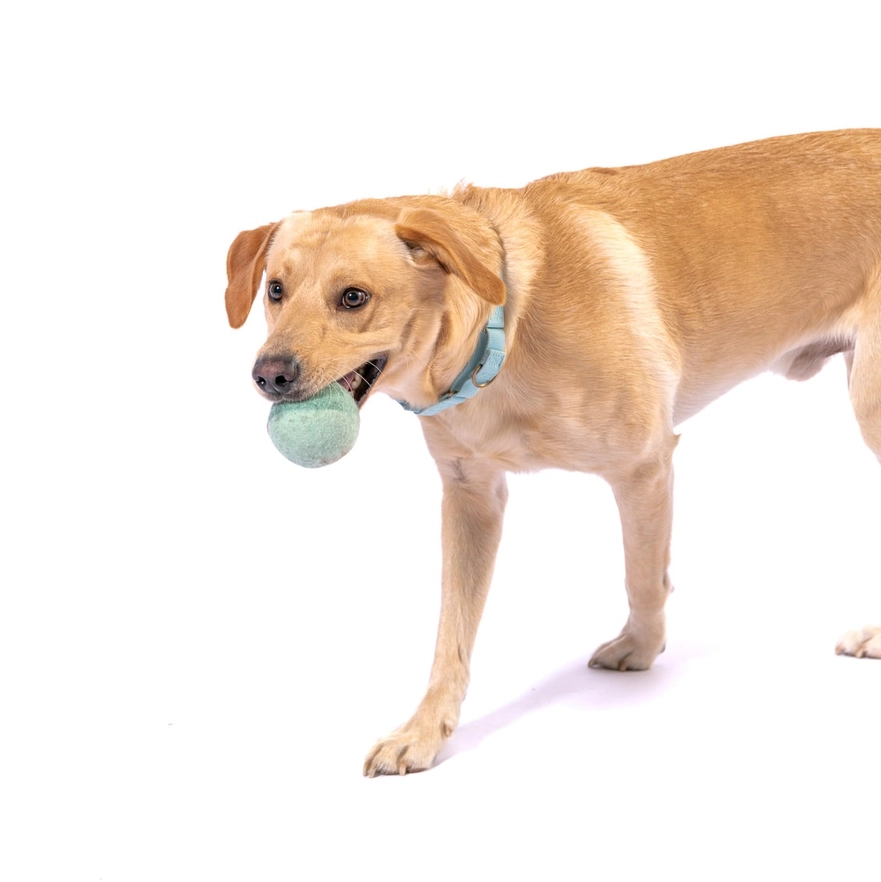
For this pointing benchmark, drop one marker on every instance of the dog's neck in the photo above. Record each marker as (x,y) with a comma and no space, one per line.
(481,370)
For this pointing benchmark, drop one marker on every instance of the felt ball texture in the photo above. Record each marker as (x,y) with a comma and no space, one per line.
(317,431)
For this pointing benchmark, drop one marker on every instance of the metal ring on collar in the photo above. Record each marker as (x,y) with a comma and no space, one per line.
(474,378)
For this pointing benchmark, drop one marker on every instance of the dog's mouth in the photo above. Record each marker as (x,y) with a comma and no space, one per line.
(359,383)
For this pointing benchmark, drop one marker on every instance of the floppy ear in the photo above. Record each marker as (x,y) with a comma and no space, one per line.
(433,233)
(244,267)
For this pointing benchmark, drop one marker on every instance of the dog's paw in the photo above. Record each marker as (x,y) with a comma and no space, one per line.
(865,643)
(412,748)
(626,653)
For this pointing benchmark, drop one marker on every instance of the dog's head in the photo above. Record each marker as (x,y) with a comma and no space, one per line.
(381,293)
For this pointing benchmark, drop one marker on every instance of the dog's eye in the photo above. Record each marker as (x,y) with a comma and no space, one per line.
(354,297)
(275,290)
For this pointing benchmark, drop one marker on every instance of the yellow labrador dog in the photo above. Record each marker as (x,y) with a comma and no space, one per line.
(572,324)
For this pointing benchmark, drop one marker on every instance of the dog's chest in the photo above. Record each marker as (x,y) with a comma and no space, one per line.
(517,441)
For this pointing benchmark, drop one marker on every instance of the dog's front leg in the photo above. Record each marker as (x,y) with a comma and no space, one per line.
(645,503)
(473,507)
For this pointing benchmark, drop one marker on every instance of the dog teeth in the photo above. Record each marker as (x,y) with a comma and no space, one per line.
(355,382)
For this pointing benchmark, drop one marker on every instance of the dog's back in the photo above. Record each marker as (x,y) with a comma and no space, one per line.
(776,240)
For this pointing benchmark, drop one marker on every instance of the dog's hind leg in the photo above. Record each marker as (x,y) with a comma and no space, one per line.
(864,380)
(865,367)
(473,507)
(645,503)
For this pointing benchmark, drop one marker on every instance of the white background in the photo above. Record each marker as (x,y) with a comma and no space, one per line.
(199,641)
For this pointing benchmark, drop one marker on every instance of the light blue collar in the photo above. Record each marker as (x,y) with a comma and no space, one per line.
(483,368)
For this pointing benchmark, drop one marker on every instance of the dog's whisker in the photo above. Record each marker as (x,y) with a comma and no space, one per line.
(363,378)
(378,370)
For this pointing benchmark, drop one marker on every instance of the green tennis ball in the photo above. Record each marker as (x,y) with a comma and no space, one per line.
(317,431)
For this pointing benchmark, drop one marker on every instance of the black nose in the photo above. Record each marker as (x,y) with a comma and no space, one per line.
(275,376)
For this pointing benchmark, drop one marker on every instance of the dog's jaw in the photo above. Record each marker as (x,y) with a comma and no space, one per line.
(359,383)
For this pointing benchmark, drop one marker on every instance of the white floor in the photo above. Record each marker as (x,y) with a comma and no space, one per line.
(199,642)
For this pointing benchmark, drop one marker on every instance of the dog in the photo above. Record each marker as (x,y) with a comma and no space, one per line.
(573,324)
